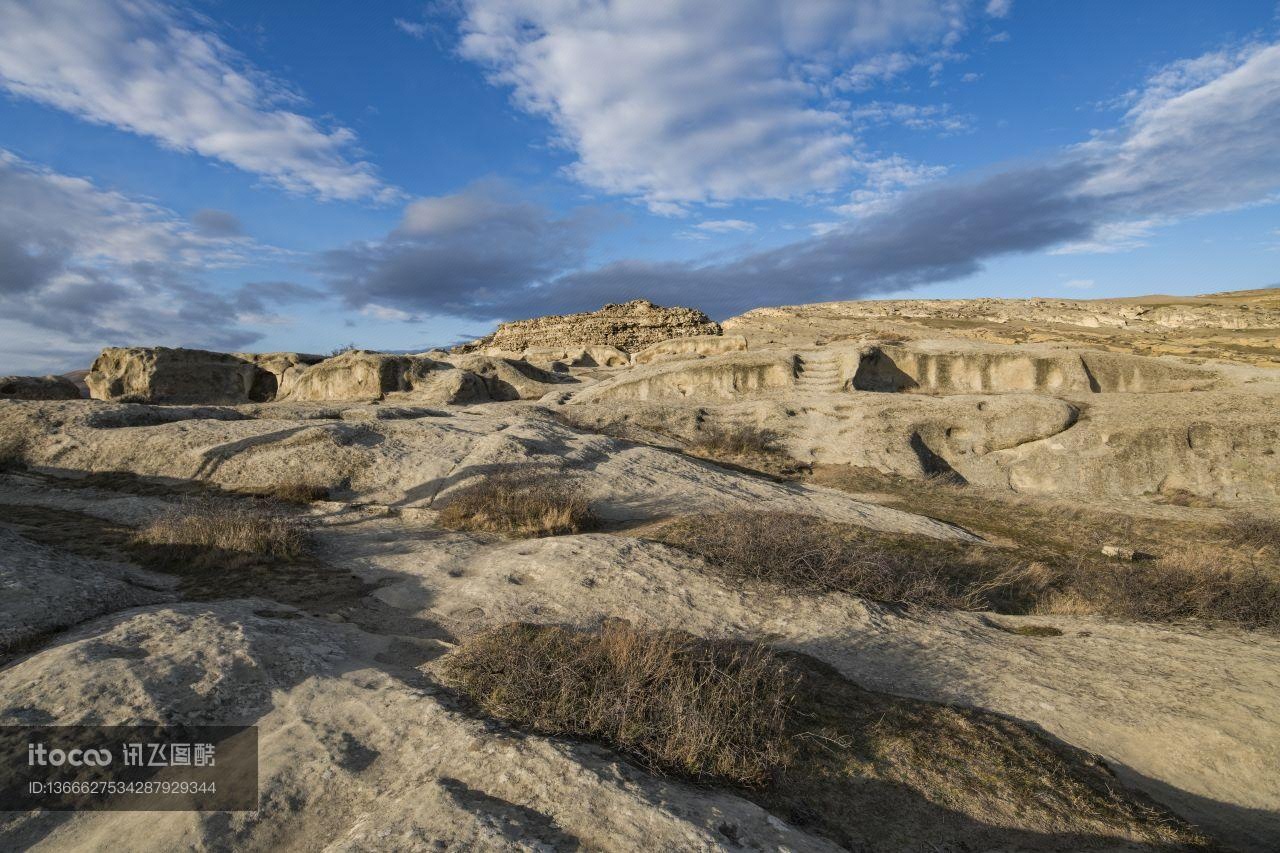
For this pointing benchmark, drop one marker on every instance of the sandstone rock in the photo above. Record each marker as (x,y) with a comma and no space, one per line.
(511,379)
(284,367)
(957,367)
(364,375)
(1119,552)
(588,356)
(168,375)
(720,377)
(38,388)
(698,345)
(415,460)
(1239,326)
(630,326)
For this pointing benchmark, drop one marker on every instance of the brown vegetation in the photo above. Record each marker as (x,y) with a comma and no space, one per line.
(211,534)
(861,768)
(703,709)
(518,503)
(745,440)
(297,491)
(809,555)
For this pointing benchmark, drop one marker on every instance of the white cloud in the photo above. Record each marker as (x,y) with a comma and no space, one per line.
(388,314)
(1111,237)
(681,101)
(1199,137)
(1080,284)
(999,38)
(907,228)
(913,116)
(999,8)
(725,226)
(143,67)
(416,29)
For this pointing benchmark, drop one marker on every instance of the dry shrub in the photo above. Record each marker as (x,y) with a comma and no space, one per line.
(1254,532)
(296,492)
(519,503)
(1206,569)
(866,770)
(744,440)
(805,553)
(1197,584)
(700,708)
(214,533)
(799,553)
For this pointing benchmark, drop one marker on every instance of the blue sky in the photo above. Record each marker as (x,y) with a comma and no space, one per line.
(293,175)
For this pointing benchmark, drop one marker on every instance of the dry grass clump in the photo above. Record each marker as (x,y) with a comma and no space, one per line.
(1202,569)
(1195,585)
(518,503)
(805,554)
(221,534)
(808,554)
(866,770)
(297,491)
(743,440)
(1254,532)
(704,709)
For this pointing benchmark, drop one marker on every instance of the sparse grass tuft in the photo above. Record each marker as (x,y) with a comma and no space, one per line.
(213,534)
(1254,532)
(519,503)
(699,708)
(866,770)
(296,492)
(716,441)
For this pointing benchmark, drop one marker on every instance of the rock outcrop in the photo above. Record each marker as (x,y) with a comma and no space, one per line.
(630,326)
(511,379)
(175,375)
(38,388)
(363,375)
(691,346)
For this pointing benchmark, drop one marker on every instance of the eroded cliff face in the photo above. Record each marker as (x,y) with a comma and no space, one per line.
(630,326)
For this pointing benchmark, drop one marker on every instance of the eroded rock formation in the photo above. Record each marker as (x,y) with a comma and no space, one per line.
(38,388)
(630,326)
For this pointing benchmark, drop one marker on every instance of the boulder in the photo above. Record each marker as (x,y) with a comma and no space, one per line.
(630,326)
(175,375)
(694,346)
(364,375)
(511,379)
(38,388)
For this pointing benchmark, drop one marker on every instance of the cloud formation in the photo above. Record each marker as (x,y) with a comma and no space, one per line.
(141,66)
(464,254)
(682,101)
(82,267)
(1192,142)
